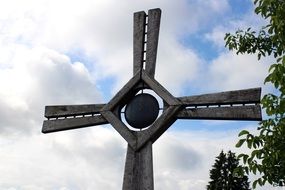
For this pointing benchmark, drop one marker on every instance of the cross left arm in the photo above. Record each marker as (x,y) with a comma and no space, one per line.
(65,117)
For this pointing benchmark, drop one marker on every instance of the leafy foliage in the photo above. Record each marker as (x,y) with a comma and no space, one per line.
(267,155)
(222,175)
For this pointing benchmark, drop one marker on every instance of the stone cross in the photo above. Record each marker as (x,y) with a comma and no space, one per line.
(134,113)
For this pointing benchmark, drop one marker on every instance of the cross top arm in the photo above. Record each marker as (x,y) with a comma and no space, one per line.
(145,40)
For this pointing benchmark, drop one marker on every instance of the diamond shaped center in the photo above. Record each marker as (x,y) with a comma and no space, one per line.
(111,111)
(142,111)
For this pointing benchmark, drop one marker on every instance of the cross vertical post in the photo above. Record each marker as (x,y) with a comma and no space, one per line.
(139,164)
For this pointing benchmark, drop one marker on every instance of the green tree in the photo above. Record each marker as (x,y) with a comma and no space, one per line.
(222,174)
(267,155)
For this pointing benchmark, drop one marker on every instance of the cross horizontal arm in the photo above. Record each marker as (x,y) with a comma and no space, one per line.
(247,96)
(72,123)
(245,113)
(72,110)
(83,116)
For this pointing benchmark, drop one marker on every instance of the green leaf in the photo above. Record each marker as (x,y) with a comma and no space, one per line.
(254,184)
(240,143)
(260,182)
(254,153)
(243,132)
(272,67)
(245,157)
(253,169)
(249,143)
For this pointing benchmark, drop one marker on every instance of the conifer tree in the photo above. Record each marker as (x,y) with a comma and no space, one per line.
(222,174)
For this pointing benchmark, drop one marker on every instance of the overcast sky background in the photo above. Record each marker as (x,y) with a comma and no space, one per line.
(80,51)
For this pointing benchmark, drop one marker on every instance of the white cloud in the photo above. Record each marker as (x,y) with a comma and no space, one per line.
(231,72)
(35,77)
(177,66)
(64,160)
(102,30)
(190,170)
(243,22)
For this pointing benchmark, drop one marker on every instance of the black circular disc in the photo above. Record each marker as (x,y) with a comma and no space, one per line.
(142,111)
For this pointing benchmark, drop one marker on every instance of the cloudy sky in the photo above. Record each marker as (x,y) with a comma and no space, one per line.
(80,51)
